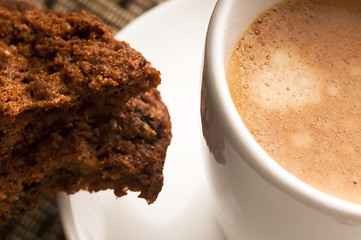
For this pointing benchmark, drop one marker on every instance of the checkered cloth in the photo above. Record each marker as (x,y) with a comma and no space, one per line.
(44,222)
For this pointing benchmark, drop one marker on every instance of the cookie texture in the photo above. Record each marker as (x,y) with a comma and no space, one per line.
(51,61)
(124,150)
(78,110)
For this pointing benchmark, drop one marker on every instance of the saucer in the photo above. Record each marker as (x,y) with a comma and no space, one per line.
(171,36)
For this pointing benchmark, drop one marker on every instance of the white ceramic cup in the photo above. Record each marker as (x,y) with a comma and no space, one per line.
(255,198)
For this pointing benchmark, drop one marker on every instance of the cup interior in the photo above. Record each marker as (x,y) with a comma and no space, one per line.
(229,20)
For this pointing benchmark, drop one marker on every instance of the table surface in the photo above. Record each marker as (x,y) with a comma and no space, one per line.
(44,222)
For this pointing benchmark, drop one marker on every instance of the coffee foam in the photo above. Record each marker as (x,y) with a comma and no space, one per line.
(295,79)
(284,82)
(355,71)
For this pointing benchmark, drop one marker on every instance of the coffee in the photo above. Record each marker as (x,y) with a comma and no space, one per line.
(295,79)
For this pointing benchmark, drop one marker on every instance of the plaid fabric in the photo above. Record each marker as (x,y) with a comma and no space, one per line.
(44,222)
(116,13)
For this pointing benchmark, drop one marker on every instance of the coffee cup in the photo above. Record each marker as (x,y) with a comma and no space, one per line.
(256,198)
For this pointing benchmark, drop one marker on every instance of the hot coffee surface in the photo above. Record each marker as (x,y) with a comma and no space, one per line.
(295,79)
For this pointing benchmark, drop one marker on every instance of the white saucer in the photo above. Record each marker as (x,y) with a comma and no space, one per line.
(172,37)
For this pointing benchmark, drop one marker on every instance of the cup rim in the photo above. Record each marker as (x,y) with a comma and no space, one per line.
(242,140)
